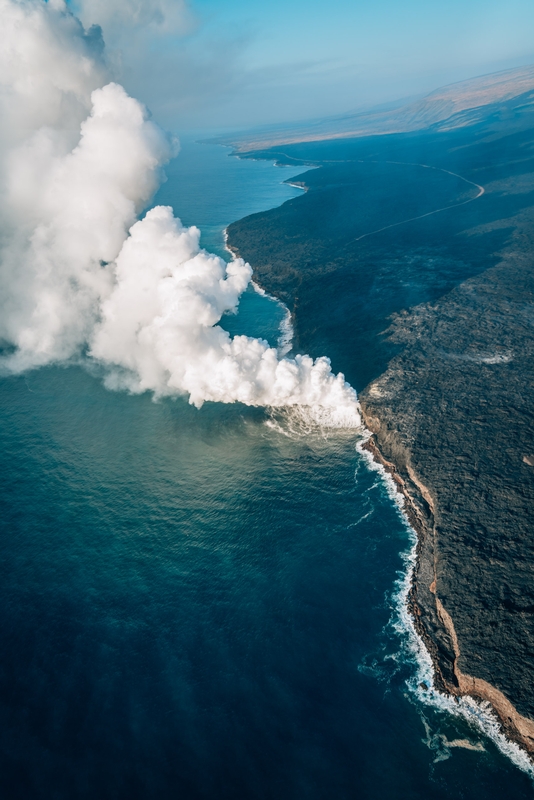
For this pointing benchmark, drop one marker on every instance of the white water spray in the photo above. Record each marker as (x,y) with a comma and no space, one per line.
(478,714)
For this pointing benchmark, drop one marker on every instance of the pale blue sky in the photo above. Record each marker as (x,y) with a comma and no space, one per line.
(247,62)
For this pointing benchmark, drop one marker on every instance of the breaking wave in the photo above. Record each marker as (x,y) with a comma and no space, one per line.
(478,714)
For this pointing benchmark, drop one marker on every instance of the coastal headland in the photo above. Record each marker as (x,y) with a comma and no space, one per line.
(418,248)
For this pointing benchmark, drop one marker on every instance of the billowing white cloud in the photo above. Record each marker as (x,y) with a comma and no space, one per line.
(49,65)
(68,215)
(79,276)
(121,16)
(157,51)
(160,325)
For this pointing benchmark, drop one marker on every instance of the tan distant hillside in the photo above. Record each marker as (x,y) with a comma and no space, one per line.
(443,104)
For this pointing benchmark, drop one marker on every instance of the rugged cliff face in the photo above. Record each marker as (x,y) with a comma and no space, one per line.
(439,309)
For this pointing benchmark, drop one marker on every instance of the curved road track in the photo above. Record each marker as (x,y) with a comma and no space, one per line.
(481,189)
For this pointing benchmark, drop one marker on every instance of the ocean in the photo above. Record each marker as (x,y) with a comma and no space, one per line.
(208,603)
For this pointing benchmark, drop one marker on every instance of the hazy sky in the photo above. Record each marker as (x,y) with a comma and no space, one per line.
(238,63)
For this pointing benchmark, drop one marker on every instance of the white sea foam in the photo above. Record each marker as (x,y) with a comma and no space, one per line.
(478,714)
(298,421)
(285,339)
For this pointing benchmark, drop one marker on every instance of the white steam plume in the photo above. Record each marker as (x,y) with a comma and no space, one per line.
(122,17)
(77,165)
(159,324)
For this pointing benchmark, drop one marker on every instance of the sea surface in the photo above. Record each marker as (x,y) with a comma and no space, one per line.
(205,604)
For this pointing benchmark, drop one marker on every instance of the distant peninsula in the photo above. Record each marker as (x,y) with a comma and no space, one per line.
(418,248)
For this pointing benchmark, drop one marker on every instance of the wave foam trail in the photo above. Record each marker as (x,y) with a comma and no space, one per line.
(80,275)
(478,714)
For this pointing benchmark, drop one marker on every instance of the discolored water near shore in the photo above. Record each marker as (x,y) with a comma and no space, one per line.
(394,250)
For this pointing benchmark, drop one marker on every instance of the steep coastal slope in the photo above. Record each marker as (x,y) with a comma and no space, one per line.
(396,248)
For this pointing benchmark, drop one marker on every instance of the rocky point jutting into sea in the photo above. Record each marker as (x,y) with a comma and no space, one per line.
(428,239)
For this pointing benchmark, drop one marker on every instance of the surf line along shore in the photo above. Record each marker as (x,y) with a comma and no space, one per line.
(432,622)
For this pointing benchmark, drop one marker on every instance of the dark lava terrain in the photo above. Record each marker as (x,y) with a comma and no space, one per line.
(431,317)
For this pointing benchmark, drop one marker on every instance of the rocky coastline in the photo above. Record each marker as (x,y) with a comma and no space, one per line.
(453,413)
(430,315)
(431,621)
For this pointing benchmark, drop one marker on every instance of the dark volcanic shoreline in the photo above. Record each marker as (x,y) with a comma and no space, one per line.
(466,469)
(441,643)
(439,313)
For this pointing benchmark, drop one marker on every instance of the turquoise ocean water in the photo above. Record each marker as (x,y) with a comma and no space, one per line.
(203,604)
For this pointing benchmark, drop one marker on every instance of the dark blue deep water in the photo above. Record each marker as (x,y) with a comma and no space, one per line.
(196,604)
